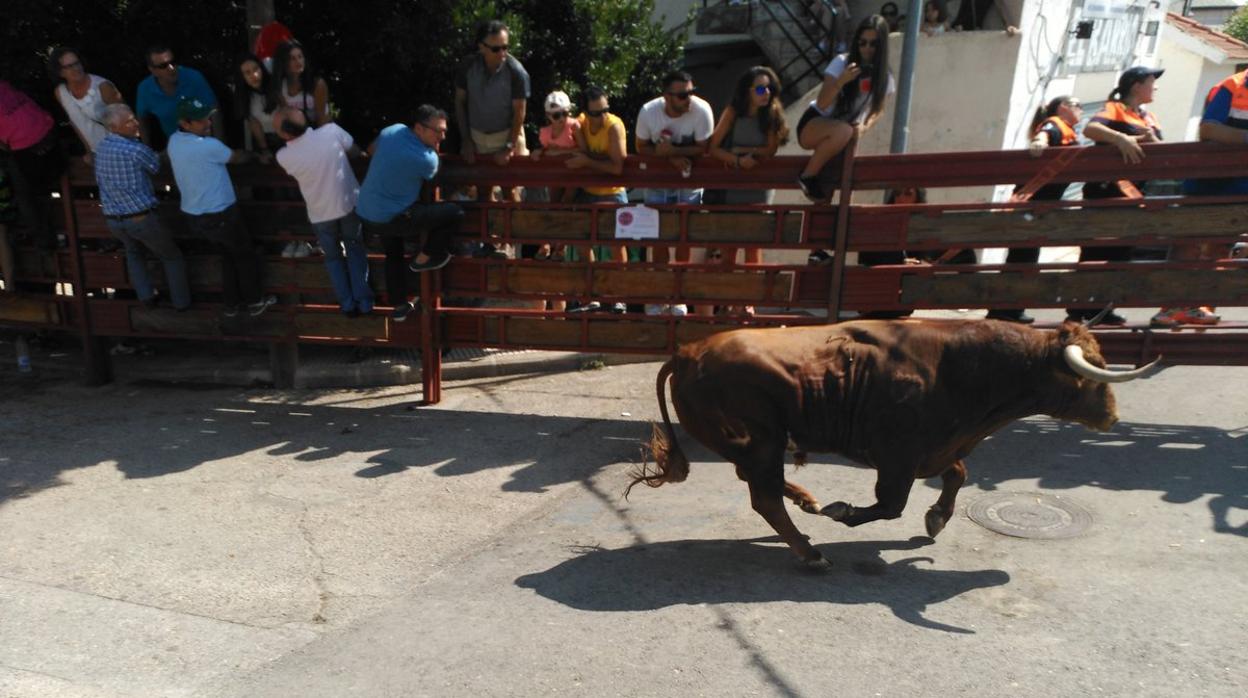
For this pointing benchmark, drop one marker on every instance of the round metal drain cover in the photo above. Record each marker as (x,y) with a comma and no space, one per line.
(1033,515)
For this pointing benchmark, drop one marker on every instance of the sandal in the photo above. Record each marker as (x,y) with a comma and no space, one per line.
(819,258)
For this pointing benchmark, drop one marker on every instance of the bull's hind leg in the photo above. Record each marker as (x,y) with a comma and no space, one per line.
(890,500)
(801,497)
(940,513)
(767,486)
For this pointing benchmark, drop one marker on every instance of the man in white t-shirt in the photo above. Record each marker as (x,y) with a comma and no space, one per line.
(317,159)
(677,126)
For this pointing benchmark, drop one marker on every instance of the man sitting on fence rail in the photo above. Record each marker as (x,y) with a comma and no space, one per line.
(211,207)
(124,166)
(402,159)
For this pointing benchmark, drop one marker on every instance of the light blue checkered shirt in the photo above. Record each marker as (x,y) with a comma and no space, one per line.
(123,169)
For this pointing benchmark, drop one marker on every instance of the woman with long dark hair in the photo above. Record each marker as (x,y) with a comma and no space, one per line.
(82,95)
(255,103)
(296,84)
(855,86)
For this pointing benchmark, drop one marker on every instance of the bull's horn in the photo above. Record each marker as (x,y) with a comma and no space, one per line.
(1080,365)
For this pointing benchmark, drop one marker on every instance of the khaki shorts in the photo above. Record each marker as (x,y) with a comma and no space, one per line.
(490,143)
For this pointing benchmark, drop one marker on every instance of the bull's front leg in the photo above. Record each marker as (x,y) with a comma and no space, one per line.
(890,500)
(953,478)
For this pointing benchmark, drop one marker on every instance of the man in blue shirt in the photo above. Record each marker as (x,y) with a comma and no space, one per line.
(159,92)
(211,207)
(402,159)
(123,169)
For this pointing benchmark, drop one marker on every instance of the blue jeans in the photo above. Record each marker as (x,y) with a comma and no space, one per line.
(673,196)
(146,231)
(348,273)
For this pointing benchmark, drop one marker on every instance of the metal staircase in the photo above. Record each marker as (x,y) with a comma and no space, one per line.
(786,31)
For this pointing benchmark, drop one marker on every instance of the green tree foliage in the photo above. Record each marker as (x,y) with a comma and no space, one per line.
(1237,24)
(381,57)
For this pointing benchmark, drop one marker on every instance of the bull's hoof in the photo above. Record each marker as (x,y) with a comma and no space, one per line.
(809,506)
(935,522)
(837,511)
(818,564)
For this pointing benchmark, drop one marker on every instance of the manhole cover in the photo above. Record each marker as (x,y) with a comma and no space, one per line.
(1029,515)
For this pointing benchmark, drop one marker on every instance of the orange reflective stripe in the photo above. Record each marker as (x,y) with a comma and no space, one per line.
(1069,137)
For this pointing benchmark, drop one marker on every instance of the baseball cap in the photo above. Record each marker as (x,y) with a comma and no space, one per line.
(558,101)
(193,109)
(1135,74)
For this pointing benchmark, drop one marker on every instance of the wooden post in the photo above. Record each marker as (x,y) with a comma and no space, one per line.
(284,363)
(842,233)
(430,337)
(98,367)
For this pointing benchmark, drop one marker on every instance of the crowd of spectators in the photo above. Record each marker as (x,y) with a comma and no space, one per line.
(287,113)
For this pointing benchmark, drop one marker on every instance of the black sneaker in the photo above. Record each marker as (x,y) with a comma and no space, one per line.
(431,264)
(402,310)
(1019,316)
(152,302)
(810,187)
(257,309)
(586,307)
(819,258)
(230,311)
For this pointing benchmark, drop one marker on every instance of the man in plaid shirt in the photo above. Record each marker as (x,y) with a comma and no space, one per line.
(123,170)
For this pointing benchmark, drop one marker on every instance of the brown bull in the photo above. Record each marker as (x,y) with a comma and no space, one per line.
(909,398)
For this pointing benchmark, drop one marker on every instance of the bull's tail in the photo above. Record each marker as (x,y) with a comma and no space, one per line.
(670,463)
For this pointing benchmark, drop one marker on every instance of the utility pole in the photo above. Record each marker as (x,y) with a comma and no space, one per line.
(259,13)
(905,88)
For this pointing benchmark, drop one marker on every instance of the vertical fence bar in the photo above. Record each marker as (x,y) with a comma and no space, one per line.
(842,233)
(98,368)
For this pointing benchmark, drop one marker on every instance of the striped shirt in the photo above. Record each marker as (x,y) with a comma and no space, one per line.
(123,169)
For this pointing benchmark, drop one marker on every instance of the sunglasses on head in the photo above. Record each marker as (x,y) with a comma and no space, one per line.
(556,115)
(67,66)
(1074,105)
(683,95)
(873,43)
(762,89)
(497,49)
(163,66)
(596,112)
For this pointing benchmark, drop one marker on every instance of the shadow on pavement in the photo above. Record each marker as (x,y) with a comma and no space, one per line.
(645,577)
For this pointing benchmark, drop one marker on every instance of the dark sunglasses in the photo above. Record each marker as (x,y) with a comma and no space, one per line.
(67,66)
(873,43)
(439,131)
(683,95)
(762,89)
(1074,105)
(163,66)
(496,49)
(556,115)
(596,112)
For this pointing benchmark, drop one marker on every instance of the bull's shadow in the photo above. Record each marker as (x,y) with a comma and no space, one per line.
(647,577)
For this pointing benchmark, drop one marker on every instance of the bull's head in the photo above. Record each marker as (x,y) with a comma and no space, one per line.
(1092,402)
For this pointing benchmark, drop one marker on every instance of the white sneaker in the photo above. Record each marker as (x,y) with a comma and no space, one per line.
(302,249)
(289,250)
(678,309)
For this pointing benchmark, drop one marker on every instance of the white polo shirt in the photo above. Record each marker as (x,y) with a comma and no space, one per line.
(318,161)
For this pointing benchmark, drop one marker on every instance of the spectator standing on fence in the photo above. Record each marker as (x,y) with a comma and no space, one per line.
(28,138)
(973,15)
(82,95)
(124,166)
(160,92)
(750,129)
(255,104)
(491,98)
(557,137)
(403,158)
(1125,124)
(317,159)
(296,85)
(1052,126)
(851,99)
(211,207)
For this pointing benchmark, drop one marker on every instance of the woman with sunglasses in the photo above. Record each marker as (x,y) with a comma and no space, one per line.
(296,85)
(82,95)
(558,137)
(855,86)
(751,128)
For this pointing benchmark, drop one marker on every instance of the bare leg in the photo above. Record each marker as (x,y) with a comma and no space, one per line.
(827,138)
(940,513)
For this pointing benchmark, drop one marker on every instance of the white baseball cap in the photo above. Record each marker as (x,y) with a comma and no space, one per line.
(557,101)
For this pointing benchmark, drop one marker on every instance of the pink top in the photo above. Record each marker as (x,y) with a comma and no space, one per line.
(566,140)
(22,123)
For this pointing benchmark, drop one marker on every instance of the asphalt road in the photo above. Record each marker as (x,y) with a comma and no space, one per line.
(157,541)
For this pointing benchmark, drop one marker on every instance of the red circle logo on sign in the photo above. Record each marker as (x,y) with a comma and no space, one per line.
(626,218)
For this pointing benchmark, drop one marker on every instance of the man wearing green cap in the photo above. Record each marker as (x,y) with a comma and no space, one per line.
(210,206)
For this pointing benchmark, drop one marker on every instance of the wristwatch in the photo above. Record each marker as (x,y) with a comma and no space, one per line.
(509,146)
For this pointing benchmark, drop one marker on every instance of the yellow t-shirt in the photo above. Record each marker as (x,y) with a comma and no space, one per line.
(597,143)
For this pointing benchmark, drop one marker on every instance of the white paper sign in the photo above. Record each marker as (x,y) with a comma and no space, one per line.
(637,222)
